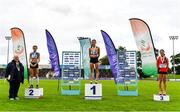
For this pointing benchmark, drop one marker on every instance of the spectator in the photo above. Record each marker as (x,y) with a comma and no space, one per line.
(15,76)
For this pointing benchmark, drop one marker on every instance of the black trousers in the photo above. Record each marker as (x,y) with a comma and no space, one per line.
(14,88)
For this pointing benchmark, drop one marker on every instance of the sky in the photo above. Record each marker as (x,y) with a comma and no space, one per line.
(69,19)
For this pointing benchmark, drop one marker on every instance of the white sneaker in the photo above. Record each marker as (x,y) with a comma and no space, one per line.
(91,82)
(16,98)
(11,99)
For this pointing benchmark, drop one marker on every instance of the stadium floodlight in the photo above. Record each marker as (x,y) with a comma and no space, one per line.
(8,38)
(173,58)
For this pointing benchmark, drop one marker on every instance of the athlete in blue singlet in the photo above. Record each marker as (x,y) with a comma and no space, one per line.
(34,59)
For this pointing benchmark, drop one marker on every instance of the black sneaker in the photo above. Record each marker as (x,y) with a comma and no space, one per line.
(37,87)
(96,82)
(31,86)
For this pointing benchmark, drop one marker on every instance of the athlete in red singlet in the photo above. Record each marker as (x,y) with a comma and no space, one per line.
(163,67)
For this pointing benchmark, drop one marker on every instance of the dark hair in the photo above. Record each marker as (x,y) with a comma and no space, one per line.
(93,39)
(35,46)
(162,50)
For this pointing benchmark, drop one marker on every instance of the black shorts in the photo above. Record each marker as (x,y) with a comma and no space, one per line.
(34,66)
(162,73)
(94,60)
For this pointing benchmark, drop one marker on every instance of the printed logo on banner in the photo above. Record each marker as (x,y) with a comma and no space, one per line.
(19,50)
(145,46)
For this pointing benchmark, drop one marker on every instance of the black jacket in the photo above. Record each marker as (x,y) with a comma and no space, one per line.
(14,73)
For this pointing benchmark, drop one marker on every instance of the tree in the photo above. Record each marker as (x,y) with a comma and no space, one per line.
(177,63)
(139,65)
(104,59)
(121,48)
(139,62)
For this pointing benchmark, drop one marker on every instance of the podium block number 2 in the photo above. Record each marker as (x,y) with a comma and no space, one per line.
(93,89)
(31,92)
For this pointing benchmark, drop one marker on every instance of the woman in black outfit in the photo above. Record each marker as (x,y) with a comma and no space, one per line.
(15,76)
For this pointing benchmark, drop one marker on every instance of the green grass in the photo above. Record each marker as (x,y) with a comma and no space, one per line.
(169,76)
(177,76)
(53,101)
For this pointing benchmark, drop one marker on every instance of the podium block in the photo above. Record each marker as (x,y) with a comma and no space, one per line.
(93,91)
(33,93)
(161,98)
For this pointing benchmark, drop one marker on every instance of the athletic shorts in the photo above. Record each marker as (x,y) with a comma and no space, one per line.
(34,66)
(164,73)
(94,60)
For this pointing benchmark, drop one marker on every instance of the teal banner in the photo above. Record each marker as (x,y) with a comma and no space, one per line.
(85,44)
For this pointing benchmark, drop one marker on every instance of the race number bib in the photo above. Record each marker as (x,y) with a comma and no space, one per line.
(162,66)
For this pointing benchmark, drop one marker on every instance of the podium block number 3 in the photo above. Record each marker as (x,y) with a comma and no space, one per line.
(161,97)
(93,89)
(31,91)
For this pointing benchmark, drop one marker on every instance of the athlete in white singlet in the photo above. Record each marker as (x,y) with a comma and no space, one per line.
(94,53)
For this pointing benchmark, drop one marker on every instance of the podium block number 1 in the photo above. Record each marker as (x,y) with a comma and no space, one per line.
(93,89)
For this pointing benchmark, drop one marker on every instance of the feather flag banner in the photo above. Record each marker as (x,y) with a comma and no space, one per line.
(111,53)
(85,44)
(53,54)
(19,48)
(144,42)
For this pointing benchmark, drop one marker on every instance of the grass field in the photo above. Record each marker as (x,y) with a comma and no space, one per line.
(53,101)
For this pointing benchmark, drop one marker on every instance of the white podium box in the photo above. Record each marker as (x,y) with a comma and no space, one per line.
(93,91)
(33,93)
(161,98)
(174,80)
